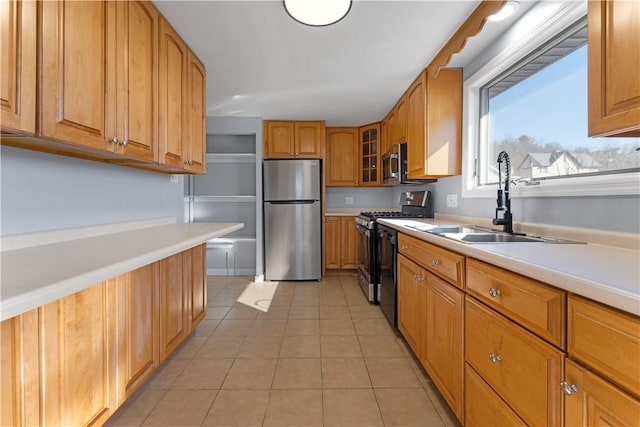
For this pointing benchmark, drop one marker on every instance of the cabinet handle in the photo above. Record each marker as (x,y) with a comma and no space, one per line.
(185,162)
(567,388)
(404,247)
(495,358)
(291,154)
(124,143)
(494,292)
(114,140)
(435,262)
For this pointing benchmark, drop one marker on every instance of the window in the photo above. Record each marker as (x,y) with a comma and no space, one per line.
(536,111)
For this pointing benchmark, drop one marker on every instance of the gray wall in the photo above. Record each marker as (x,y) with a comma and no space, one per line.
(613,213)
(43,192)
(376,197)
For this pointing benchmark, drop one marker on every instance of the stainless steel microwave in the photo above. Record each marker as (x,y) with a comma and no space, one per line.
(394,167)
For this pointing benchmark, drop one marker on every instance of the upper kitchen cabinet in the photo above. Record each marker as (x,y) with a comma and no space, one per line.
(196,143)
(614,64)
(341,161)
(18,66)
(137,80)
(434,125)
(115,84)
(397,124)
(78,73)
(289,139)
(370,155)
(173,97)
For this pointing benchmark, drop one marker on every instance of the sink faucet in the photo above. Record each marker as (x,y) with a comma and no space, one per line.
(504,202)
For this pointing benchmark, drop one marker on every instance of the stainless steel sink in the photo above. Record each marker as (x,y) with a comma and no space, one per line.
(471,234)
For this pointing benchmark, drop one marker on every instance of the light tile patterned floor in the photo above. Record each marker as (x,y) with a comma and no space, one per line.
(321,356)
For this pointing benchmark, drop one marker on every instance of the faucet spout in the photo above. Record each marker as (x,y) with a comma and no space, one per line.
(503,200)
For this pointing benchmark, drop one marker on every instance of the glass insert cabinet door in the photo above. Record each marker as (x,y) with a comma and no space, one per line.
(369,154)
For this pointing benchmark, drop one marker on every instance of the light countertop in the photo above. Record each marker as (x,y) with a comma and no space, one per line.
(608,274)
(37,274)
(353,211)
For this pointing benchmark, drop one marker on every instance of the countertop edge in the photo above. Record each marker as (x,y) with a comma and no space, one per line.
(38,297)
(614,297)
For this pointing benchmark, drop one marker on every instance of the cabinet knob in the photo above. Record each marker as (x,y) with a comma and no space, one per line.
(185,162)
(124,143)
(495,358)
(567,388)
(435,262)
(494,292)
(114,140)
(291,154)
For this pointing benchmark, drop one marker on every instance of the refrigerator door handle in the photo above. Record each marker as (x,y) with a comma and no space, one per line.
(292,202)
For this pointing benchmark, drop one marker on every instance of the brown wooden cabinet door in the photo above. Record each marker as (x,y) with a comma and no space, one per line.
(614,68)
(197,141)
(596,402)
(444,124)
(19,405)
(172,97)
(401,117)
(78,354)
(332,233)
(370,155)
(137,81)
(139,318)
(174,304)
(279,137)
(385,143)
(18,66)
(442,354)
(341,160)
(416,123)
(77,48)
(348,243)
(410,294)
(309,140)
(198,282)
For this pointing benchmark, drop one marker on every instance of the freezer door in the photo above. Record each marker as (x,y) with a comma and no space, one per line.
(291,180)
(293,247)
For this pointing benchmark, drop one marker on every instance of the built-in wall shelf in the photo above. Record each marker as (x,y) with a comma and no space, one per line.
(224,199)
(231,158)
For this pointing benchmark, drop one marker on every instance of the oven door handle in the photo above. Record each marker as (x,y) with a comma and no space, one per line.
(363,230)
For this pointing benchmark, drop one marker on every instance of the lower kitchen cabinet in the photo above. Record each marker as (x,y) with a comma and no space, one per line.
(410,302)
(442,349)
(431,319)
(139,320)
(76,360)
(522,369)
(78,357)
(483,406)
(340,243)
(19,403)
(591,401)
(174,304)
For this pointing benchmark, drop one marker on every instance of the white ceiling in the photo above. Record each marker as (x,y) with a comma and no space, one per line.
(260,62)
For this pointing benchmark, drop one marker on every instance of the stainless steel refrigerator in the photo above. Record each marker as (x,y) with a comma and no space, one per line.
(292,220)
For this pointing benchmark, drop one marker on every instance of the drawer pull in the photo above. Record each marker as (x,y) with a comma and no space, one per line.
(568,389)
(495,358)
(404,247)
(435,262)
(495,292)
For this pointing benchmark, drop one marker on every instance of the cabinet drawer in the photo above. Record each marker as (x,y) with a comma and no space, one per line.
(483,406)
(536,306)
(606,340)
(524,370)
(446,264)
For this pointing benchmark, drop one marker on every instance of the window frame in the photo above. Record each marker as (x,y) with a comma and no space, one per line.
(536,28)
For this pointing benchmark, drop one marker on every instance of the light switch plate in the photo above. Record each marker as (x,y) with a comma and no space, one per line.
(174,178)
(452,200)
(348,200)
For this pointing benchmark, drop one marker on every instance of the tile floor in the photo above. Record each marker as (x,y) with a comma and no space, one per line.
(321,356)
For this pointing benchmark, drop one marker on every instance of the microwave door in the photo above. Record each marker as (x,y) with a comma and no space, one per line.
(390,168)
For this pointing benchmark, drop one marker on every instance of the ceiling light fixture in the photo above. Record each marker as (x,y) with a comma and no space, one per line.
(317,13)
(509,9)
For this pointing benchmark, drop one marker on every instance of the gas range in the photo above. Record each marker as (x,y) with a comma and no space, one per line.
(413,204)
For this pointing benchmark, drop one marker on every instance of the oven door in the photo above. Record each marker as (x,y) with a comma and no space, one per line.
(365,276)
(387,290)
